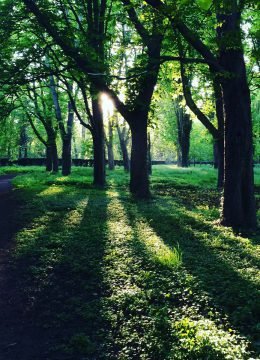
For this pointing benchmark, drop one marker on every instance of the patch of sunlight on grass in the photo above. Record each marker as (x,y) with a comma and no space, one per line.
(204,333)
(74,217)
(49,228)
(156,248)
(27,237)
(236,251)
(120,235)
(52,190)
(169,256)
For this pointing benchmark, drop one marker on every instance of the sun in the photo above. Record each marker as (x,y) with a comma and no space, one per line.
(107,106)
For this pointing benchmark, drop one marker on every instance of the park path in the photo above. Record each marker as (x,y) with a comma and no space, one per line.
(6,211)
(6,282)
(20,338)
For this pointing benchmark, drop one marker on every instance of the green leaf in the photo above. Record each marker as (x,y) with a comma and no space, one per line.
(204,4)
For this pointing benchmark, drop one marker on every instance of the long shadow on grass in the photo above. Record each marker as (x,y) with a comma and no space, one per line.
(58,268)
(229,292)
(155,298)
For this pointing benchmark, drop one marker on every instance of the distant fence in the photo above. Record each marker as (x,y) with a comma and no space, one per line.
(89,162)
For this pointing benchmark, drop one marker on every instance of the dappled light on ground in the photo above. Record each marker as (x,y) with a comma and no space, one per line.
(101,276)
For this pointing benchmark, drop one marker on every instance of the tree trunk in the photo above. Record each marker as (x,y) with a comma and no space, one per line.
(139,179)
(124,150)
(220,151)
(20,154)
(149,155)
(184,125)
(239,210)
(238,201)
(66,155)
(52,161)
(110,149)
(55,159)
(110,155)
(179,156)
(75,148)
(219,142)
(185,140)
(98,143)
(48,158)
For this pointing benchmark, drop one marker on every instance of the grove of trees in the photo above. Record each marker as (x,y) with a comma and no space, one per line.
(133,80)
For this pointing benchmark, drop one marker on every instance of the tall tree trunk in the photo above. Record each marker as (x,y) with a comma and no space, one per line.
(239,210)
(239,203)
(66,155)
(184,125)
(55,159)
(219,141)
(75,148)
(220,151)
(52,161)
(98,143)
(23,142)
(185,139)
(123,147)
(139,179)
(149,155)
(110,156)
(48,158)
(179,156)
(110,149)
(66,136)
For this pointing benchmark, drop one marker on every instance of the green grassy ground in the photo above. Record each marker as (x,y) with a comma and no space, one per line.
(106,277)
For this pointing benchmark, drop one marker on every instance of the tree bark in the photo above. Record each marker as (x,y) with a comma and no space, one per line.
(184,130)
(48,158)
(66,136)
(98,142)
(55,159)
(110,148)
(239,209)
(220,151)
(184,125)
(52,161)
(219,141)
(66,155)
(110,155)
(123,145)
(139,179)
(149,155)
(239,203)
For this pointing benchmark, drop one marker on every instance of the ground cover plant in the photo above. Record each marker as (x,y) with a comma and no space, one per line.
(98,275)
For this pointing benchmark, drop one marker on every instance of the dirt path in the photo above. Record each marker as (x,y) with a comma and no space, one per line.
(10,309)
(6,211)
(20,338)
(6,292)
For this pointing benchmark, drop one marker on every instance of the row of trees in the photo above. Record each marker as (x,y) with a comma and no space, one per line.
(135,51)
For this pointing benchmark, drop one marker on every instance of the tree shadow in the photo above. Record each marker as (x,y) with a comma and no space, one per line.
(228,290)
(230,294)
(53,309)
(153,299)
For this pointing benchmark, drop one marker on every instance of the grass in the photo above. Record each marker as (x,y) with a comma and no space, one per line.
(106,277)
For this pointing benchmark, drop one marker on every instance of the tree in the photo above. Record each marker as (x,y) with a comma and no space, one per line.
(65,132)
(124,137)
(36,105)
(137,109)
(238,205)
(184,125)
